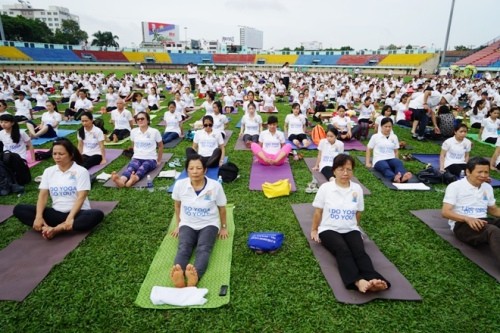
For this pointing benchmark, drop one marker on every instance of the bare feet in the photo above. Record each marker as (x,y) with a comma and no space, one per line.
(363,285)
(191,276)
(50,232)
(377,285)
(297,143)
(119,181)
(397,178)
(132,180)
(177,276)
(406,177)
(115,138)
(306,143)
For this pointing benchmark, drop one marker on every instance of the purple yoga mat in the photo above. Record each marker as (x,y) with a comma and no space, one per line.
(240,145)
(143,181)
(354,145)
(311,161)
(481,256)
(5,212)
(260,174)
(111,155)
(25,262)
(312,146)
(400,289)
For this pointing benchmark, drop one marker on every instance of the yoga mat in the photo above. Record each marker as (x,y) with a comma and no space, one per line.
(229,133)
(238,125)
(111,143)
(111,155)
(60,133)
(433,159)
(481,256)
(25,262)
(240,145)
(312,146)
(5,212)
(475,137)
(143,181)
(259,174)
(387,182)
(354,144)
(212,173)
(173,143)
(33,163)
(311,161)
(400,289)
(217,274)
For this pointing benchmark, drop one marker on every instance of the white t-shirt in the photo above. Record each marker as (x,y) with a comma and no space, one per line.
(229,100)
(295,123)
(271,143)
(209,109)
(202,210)
(111,100)
(490,128)
(220,120)
(91,142)
(153,100)
(478,118)
(455,151)
(64,186)
(469,200)
(339,206)
(378,120)
(383,147)
(252,125)
(206,142)
(400,109)
(18,148)
(53,119)
(329,152)
(245,106)
(141,106)
(85,104)
(145,143)
(23,108)
(268,100)
(121,119)
(341,123)
(172,122)
(41,99)
(366,112)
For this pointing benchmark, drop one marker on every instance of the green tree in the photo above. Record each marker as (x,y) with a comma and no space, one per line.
(346,48)
(409,47)
(22,28)
(70,33)
(301,48)
(461,48)
(105,38)
(392,47)
(285,49)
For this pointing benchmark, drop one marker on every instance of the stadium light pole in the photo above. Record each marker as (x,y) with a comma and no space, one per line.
(2,33)
(447,34)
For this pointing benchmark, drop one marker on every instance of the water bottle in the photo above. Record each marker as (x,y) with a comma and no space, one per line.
(219,180)
(462,174)
(149,184)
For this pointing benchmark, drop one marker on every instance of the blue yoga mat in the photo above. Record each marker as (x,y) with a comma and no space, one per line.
(238,125)
(212,173)
(433,159)
(60,133)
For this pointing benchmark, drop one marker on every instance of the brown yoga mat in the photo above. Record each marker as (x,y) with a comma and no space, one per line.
(400,289)
(143,181)
(481,256)
(5,212)
(25,262)
(311,161)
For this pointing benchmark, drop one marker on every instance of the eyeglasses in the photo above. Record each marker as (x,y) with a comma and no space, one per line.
(342,170)
(140,119)
(208,125)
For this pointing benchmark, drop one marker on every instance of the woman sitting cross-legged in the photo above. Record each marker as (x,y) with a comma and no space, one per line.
(328,149)
(200,213)
(271,149)
(208,143)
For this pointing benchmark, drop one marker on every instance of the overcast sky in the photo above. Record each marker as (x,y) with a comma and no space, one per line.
(285,23)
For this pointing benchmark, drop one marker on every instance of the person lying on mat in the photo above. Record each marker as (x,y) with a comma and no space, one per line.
(200,214)
(295,127)
(385,148)
(148,152)
(467,203)
(68,184)
(251,125)
(328,149)
(271,149)
(208,143)
(90,142)
(335,225)
(455,152)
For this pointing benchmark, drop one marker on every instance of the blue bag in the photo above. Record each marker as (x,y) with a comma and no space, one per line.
(265,241)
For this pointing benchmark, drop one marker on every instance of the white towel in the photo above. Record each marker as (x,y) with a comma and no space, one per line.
(169,174)
(178,296)
(103,177)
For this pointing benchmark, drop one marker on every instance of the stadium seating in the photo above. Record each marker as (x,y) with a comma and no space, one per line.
(101,56)
(186,58)
(321,60)
(12,53)
(144,56)
(234,58)
(276,59)
(53,55)
(406,59)
(483,57)
(356,59)
(495,64)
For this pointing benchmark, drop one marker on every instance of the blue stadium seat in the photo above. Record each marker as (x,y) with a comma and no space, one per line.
(195,58)
(59,55)
(320,60)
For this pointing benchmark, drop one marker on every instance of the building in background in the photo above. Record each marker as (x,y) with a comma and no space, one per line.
(312,46)
(251,38)
(53,16)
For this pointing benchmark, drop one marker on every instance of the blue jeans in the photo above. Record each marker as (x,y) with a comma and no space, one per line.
(203,239)
(389,168)
(169,136)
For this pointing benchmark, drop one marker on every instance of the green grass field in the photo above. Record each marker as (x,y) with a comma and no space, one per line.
(94,288)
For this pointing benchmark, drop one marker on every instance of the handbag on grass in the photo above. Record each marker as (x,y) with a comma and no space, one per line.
(277,189)
(265,241)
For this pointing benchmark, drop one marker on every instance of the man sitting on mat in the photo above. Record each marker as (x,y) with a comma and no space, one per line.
(468,202)
(200,213)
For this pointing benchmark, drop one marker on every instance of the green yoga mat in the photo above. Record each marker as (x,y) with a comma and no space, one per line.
(217,274)
(474,137)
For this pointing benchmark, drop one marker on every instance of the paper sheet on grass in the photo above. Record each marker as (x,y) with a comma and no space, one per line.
(401,289)
(481,256)
(217,274)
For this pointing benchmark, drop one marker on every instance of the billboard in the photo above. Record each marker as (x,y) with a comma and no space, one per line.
(157,32)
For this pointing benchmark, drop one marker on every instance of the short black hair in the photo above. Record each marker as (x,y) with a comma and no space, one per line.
(476,160)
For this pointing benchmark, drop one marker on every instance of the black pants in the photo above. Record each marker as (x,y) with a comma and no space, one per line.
(192,82)
(252,138)
(490,235)
(491,140)
(327,172)
(90,161)
(423,120)
(120,133)
(84,220)
(455,169)
(286,82)
(353,262)
(211,161)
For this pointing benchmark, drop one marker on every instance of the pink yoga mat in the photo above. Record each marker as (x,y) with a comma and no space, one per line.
(354,145)
(33,163)
(5,212)
(25,262)
(260,174)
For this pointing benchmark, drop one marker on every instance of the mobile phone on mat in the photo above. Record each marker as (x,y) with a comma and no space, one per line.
(223,290)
